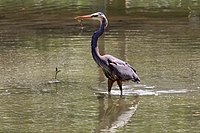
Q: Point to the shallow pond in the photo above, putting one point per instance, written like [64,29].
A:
[161,40]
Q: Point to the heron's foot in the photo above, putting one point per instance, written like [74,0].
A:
[109,93]
[121,94]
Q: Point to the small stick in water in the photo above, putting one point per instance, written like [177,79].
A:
[57,71]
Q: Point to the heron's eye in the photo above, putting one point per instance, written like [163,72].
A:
[94,15]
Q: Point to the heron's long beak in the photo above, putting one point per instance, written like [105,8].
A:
[83,17]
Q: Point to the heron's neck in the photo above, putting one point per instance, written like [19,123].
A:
[95,50]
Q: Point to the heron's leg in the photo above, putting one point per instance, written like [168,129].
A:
[119,82]
[110,83]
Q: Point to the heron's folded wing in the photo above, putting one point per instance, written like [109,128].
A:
[122,71]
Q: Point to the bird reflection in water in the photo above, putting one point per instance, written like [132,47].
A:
[115,113]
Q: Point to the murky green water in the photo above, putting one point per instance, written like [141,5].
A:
[161,39]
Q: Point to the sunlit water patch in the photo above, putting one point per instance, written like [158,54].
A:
[143,90]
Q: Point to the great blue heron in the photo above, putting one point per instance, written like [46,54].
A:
[113,68]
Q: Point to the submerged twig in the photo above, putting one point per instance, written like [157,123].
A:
[57,71]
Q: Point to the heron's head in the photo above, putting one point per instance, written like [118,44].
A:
[95,16]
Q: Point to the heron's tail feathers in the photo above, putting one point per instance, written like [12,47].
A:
[136,78]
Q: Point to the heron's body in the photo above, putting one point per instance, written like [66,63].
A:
[113,68]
